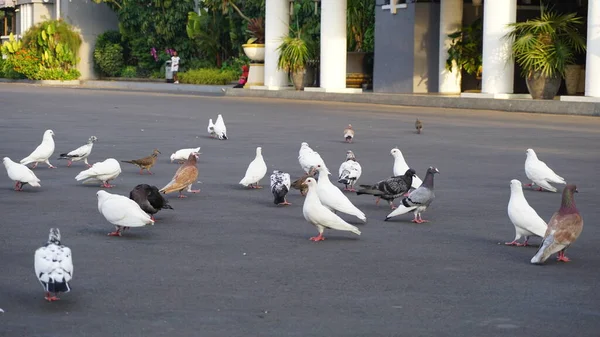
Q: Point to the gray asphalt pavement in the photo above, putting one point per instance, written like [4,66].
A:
[228,262]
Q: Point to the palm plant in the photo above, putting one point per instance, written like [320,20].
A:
[545,46]
[294,54]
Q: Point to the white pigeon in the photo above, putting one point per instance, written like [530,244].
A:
[43,152]
[540,174]
[255,171]
[80,153]
[525,219]
[220,128]
[20,174]
[104,171]
[308,158]
[349,172]
[211,128]
[183,154]
[121,212]
[400,167]
[333,198]
[320,216]
[53,264]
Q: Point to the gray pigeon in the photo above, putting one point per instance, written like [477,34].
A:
[390,188]
[419,199]
[149,199]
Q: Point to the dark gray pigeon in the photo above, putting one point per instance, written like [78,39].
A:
[390,188]
[419,199]
[149,199]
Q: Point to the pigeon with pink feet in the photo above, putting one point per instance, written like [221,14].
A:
[418,200]
[53,265]
[321,216]
[104,172]
[564,228]
[525,219]
[349,172]
[80,153]
[121,212]
[390,188]
[20,174]
[43,152]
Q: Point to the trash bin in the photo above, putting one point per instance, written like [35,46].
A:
[168,72]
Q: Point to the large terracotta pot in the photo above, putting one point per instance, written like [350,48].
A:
[298,80]
[542,87]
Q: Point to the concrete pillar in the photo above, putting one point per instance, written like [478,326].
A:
[451,15]
[592,63]
[277,19]
[498,67]
[333,45]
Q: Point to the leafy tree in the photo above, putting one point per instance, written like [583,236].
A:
[147,24]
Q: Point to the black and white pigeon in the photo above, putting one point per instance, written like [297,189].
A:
[149,198]
[390,188]
[418,200]
[280,186]
[349,172]
[53,266]
[80,153]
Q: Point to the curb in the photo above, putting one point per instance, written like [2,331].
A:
[154,86]
[43,82]
[509,105]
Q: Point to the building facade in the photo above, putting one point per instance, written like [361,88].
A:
[88,18]
[411,43]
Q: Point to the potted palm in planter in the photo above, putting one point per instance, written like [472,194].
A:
[294,56]
[255,46]
[544,47]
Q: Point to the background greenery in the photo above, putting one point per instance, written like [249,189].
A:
[209,37]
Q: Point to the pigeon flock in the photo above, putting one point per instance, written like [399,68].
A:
[323,199]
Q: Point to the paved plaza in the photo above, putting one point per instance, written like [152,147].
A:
[228,262]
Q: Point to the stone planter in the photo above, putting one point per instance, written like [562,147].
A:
[541,87]
[298,80]
[255,52]
[572,75]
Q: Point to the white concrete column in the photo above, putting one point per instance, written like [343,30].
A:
[498,67]
[333,45]
[451,15]
[277,19]
[592,63]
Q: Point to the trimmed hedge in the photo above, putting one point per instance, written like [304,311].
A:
[207,76]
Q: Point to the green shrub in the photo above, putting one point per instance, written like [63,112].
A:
[235,64]
[108,37]
[58,74]
[27,63]
[207,76]
[158,74]
[109,59]
[55,43]
[129,72]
